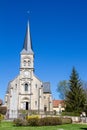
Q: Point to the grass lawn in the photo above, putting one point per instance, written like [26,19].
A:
[9,126]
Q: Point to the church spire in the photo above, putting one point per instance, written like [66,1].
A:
[27,47]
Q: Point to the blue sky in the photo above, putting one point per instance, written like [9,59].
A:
[59,37]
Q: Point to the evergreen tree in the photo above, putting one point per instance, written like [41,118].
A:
[75,98]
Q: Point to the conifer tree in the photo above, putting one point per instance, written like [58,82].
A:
[75,98]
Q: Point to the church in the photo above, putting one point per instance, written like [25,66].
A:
[27,92]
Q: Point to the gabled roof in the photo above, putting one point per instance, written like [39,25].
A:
[27,47]
[56,103]
[46,87]
[9,84]
[37,78]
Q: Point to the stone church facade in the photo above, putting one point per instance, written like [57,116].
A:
[26,91]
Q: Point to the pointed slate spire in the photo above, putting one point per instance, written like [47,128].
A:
[27,48]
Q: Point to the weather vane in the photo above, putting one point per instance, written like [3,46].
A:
[28,13]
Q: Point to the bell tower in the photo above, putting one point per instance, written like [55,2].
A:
[27,54]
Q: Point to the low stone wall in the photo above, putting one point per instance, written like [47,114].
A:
[77,119]
[74,118]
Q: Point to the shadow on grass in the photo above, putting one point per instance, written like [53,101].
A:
[83,128]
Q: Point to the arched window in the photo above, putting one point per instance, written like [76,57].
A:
[29,62]
[26,87]
[35,103]
[35,85]
[24,62]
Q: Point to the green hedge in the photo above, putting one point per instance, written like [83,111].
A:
[46,121]
[33,121]
[70,114]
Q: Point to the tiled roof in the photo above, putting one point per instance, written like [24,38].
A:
[56,103]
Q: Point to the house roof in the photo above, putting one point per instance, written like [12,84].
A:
[56,103]
[1,102]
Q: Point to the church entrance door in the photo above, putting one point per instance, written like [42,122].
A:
[45,108]
[26,105]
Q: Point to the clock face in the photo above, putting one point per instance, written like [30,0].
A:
[26,73]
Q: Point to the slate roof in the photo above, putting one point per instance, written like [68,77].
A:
[46,87]
[27,47]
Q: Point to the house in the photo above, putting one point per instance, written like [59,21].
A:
[58,106]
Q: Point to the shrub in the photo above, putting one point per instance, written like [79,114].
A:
[3,110]
[32,116]
[55,112]
[33,121]
[66,120]
[20,122]
[46,121]
[1,117]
